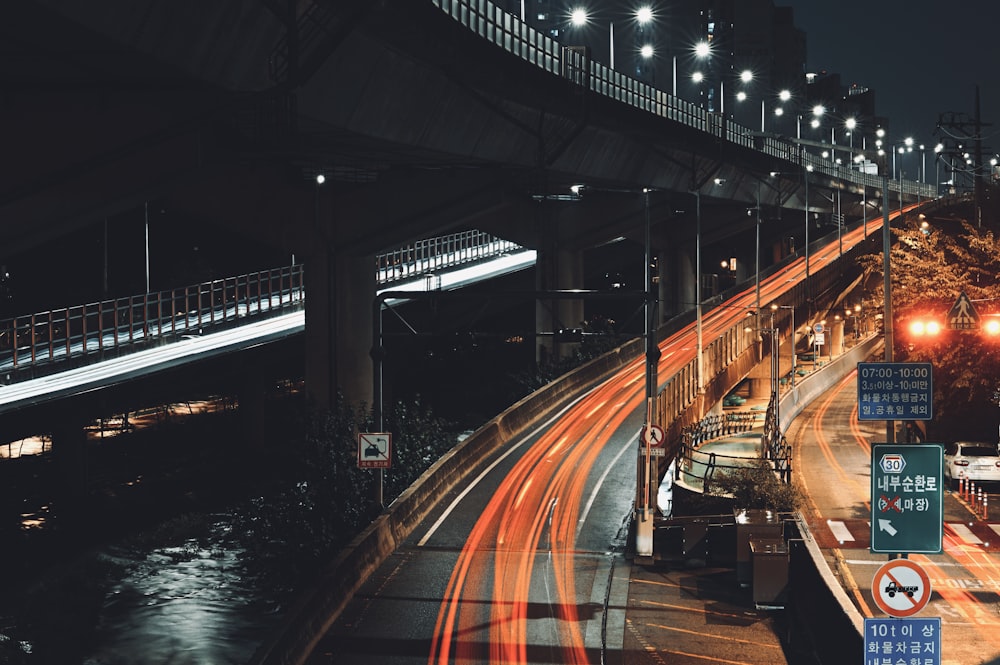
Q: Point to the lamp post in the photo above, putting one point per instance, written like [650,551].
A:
[937,169]
[697,289]
[791,334]
[779,110]
[756,268]
[890,427]
[805,177]
[702,51]
[643,44]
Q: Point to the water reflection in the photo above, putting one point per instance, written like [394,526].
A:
[182,605]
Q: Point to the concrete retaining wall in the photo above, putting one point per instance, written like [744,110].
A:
[823,613]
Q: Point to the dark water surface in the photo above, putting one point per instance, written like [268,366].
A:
[184,605]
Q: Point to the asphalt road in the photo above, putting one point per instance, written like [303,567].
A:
[833,453]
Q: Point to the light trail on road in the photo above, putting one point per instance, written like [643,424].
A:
[520,559]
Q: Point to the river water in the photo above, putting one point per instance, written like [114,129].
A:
[184,605]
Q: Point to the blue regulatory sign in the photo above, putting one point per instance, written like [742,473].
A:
[906,640]
[895,391]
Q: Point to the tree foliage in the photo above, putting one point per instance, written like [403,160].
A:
[757,487]
[328,500]
[935,257]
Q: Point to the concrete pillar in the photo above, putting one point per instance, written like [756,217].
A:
[684,260]
[837,338]
[69,450]
[666,287]
[557,269]
[760,388]
[338,335]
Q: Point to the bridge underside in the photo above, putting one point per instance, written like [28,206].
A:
[228,110]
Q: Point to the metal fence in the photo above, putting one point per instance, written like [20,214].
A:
[447,251]
[111,326]
[507,31]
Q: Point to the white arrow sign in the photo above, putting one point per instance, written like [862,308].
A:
[886,525]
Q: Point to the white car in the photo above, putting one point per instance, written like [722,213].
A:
[974,460]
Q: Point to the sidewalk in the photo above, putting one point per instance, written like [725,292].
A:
[701,615]
[681,614]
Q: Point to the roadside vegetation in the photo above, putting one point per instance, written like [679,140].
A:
[936,257]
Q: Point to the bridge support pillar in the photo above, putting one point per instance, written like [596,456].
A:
[69,449]
[338,327]
[837,338]
[666,289]
[557,269]
[686,289]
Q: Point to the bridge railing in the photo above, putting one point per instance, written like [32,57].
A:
[110,327]
[439,253]
[507,31]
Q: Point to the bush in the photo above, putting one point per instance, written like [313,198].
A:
[757,487]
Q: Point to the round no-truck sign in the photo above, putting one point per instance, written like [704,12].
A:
[901,588]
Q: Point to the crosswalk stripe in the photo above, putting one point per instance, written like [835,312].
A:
[965,533]
[840,531]
[996,528]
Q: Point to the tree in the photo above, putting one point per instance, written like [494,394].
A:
[757,487]
[935,257]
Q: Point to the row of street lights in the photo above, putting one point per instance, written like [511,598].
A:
[644,17]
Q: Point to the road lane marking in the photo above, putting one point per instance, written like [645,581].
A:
[458,499]
[965,533]
[840,531]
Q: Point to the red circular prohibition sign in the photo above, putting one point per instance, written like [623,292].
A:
[901,588]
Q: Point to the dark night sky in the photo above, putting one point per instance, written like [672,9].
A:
[922,57]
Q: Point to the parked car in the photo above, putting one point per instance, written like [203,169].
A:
[974,460]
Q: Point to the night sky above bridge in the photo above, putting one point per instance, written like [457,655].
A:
[922,57]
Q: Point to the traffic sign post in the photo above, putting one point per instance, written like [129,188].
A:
[907,506]
[375,450]
[963,314]
[653,435]
[901,588]
[895,391]
[903,641]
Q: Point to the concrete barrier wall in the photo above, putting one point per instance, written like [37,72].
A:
[822,611]
[810,387]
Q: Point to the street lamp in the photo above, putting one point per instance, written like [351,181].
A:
[697,287]
[779,110]
[745,77]
[703,51]
[937,168]
[644,65]
[791,337]
[580,17]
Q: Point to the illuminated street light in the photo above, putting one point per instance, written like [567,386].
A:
[791,336]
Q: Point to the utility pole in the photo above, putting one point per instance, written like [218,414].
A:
[962,131]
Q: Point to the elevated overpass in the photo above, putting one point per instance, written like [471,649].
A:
[424,117]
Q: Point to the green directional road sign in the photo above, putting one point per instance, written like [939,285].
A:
[906,498]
